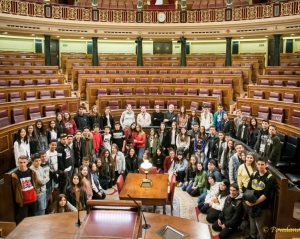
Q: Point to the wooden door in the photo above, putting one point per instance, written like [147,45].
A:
[54,51]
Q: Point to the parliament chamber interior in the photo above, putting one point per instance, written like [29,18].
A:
[78,79]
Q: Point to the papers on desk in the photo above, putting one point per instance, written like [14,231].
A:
[159,2]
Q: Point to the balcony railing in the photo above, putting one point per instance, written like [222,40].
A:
[63,12]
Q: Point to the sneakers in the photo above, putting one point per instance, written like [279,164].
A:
[180,184]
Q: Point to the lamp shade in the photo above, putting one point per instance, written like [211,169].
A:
[146,165]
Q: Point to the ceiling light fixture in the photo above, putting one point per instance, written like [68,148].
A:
[5,32]
[292,34]
[218,38]
[82,37]
[104,38]
[241,37]
[57,36]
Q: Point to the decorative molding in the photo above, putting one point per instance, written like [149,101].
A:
[75,13]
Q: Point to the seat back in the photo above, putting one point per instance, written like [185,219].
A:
[167,81]
[4,121]
[172,190]
[153,91]
[179,81]
[34,112]
[277,115]
[59,94]
[41,82]
[258,94]
[172,102]
[204,81]
[131,102]
[45,94]
[155,80]
[179,91]
[278,83]
[53,81]
[14,96]
[204,92]
[194,105]
[120,183]
[30,95]
[292,83]
[295,118]
[119,80]
[127,91]
[192,81]
[274,96]
[140,91]
[49,110]
[18,115]
[217,81]
[2,97]
[227,81]
[264,82]
[114,91]
[145,103]
[28,82]
[15,83]
[102,91]
[288,97]
[113,104]
[263,112]
[144,80]
[192,91]
[104,80]
[218,93]
[291,148]
[246,110]
[62,108]
[131,80]
[161,104]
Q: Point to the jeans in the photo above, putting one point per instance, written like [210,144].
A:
[203,207]
[257,224]
[202,196]
[188,187]
[140,152]
[41,203]
[205,163]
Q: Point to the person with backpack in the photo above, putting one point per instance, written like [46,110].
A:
[262,182]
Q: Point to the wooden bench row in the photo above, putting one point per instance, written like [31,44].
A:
[22,62]
[255,103]
[26,80]
[190,80]
[245,72]
[277,79]
[72,104]
[294,55]
[290,62]
[223,91]
[253,64]
[282,70]
[48,91]
[35,70]
[15,54]
[178,101]
[260,57]
[266,90]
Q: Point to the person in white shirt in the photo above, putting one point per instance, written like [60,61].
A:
[127,117]
[21,145]
[206,118]
[143,118]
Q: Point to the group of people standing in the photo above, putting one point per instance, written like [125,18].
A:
[82,157]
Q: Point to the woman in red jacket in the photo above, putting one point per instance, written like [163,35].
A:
[139,141]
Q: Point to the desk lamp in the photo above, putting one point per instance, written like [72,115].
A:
[146,166]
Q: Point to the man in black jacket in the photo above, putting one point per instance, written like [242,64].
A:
[227,125]
[81,119]
[170,116]
[157,116]
[273,149]
[212,137]
[262,137]
[231,216]
[64,163]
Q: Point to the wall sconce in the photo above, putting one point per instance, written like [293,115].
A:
[146,166]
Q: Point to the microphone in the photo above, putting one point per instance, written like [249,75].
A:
[145,225]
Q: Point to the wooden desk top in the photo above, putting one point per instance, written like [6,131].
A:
[62,226]
[159,189]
